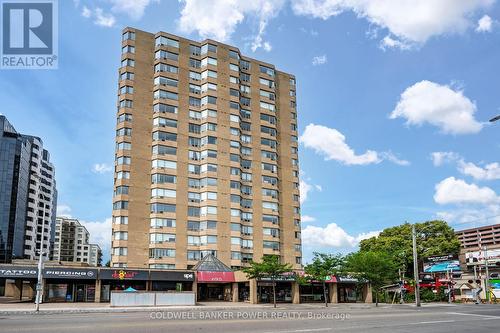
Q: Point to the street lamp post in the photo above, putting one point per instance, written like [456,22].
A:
[415,266]
[486,281]
[39,282]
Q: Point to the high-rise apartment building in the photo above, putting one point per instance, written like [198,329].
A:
[206,156]
[28,195]
[72,243]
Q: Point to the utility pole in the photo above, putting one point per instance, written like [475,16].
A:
[415,266]
[486,281]
[39,283]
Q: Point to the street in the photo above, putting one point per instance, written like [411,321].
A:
[285,319]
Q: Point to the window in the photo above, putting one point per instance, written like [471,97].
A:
[194,169]
[194,142]
[267,94]
[247,177]
[234,118]
[127,76]
[269,180]
[120,251]
[193,101]
[270,193]
[245,65]
[246,138]
[271,232]
[123,175]
[235,241]
[128,49]
[234,105]
[164,122]
[270,205]
[125,103]
[161,238]
[245,89]
[270,218]
[208,127]
[245,114]
[126,90]
[208,153]
[162,193]
[123,160]
[165,108]
[269,167]
[159,178]
[124,131]
[245,101]
[234,67]
[164,136]
[120,220]
[128,62]
[268,130]
[208,73]
[267,106]
[164,94]
[268,142]
[162,223]
[195,76]
[208,140]
[233,79]
[165,81]
[120,235]
[235,255]
[120,190]
[166,68]
[208,48]
[194,89]
[208,100]
[271,245]
[164,150]
[123,146]
[234,54]
[194,183]
[161,54]
[268,118]
[244,77]
[247,244]
[160,253]
[234,92]
[208,113]
[195,50]
[128,35]
[292,81]
[162,40]
[208,86]
[164,164]
[209,167]
[267,70]
[162,208]
[266,82]
[208,61]
[246,151]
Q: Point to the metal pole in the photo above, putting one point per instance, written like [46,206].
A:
[415,266]
[449,285]
[486,281]
[39,284]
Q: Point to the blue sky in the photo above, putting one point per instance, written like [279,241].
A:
[392,103]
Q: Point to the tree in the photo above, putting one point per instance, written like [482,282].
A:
[271,268]
[322,267]
[377,268]
[433,238]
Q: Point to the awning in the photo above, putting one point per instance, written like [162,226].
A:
[206,276]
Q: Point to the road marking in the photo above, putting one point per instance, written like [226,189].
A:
[433,322]
[303,330]
[473,314]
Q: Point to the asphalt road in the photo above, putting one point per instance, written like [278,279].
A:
[286,319]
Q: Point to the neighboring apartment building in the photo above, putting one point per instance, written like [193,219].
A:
[28,195]
[480,244]
[72,243]
[206,156]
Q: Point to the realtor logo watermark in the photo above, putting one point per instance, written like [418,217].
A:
[29,34]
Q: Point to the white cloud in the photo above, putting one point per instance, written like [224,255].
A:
[218,19]
[410,21]
[390,43]
[319,187]
[304,189]
[457,191]
[100,233]
[488,172]
[332,236]
[63,211]
[389,156]
[86,12]
[133,8]
[307,219]
[102,168]
[438,105]
[441,157]
[484,24]
[320,60]
[330,143]
[471,217]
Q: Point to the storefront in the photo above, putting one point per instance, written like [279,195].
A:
[69,284]
[122,279]
[349,290]
[284,288]
[19,281]
[215,286]
[171,280]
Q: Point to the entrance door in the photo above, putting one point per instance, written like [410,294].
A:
[80,293]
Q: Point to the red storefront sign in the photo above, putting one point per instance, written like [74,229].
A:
[206,276]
